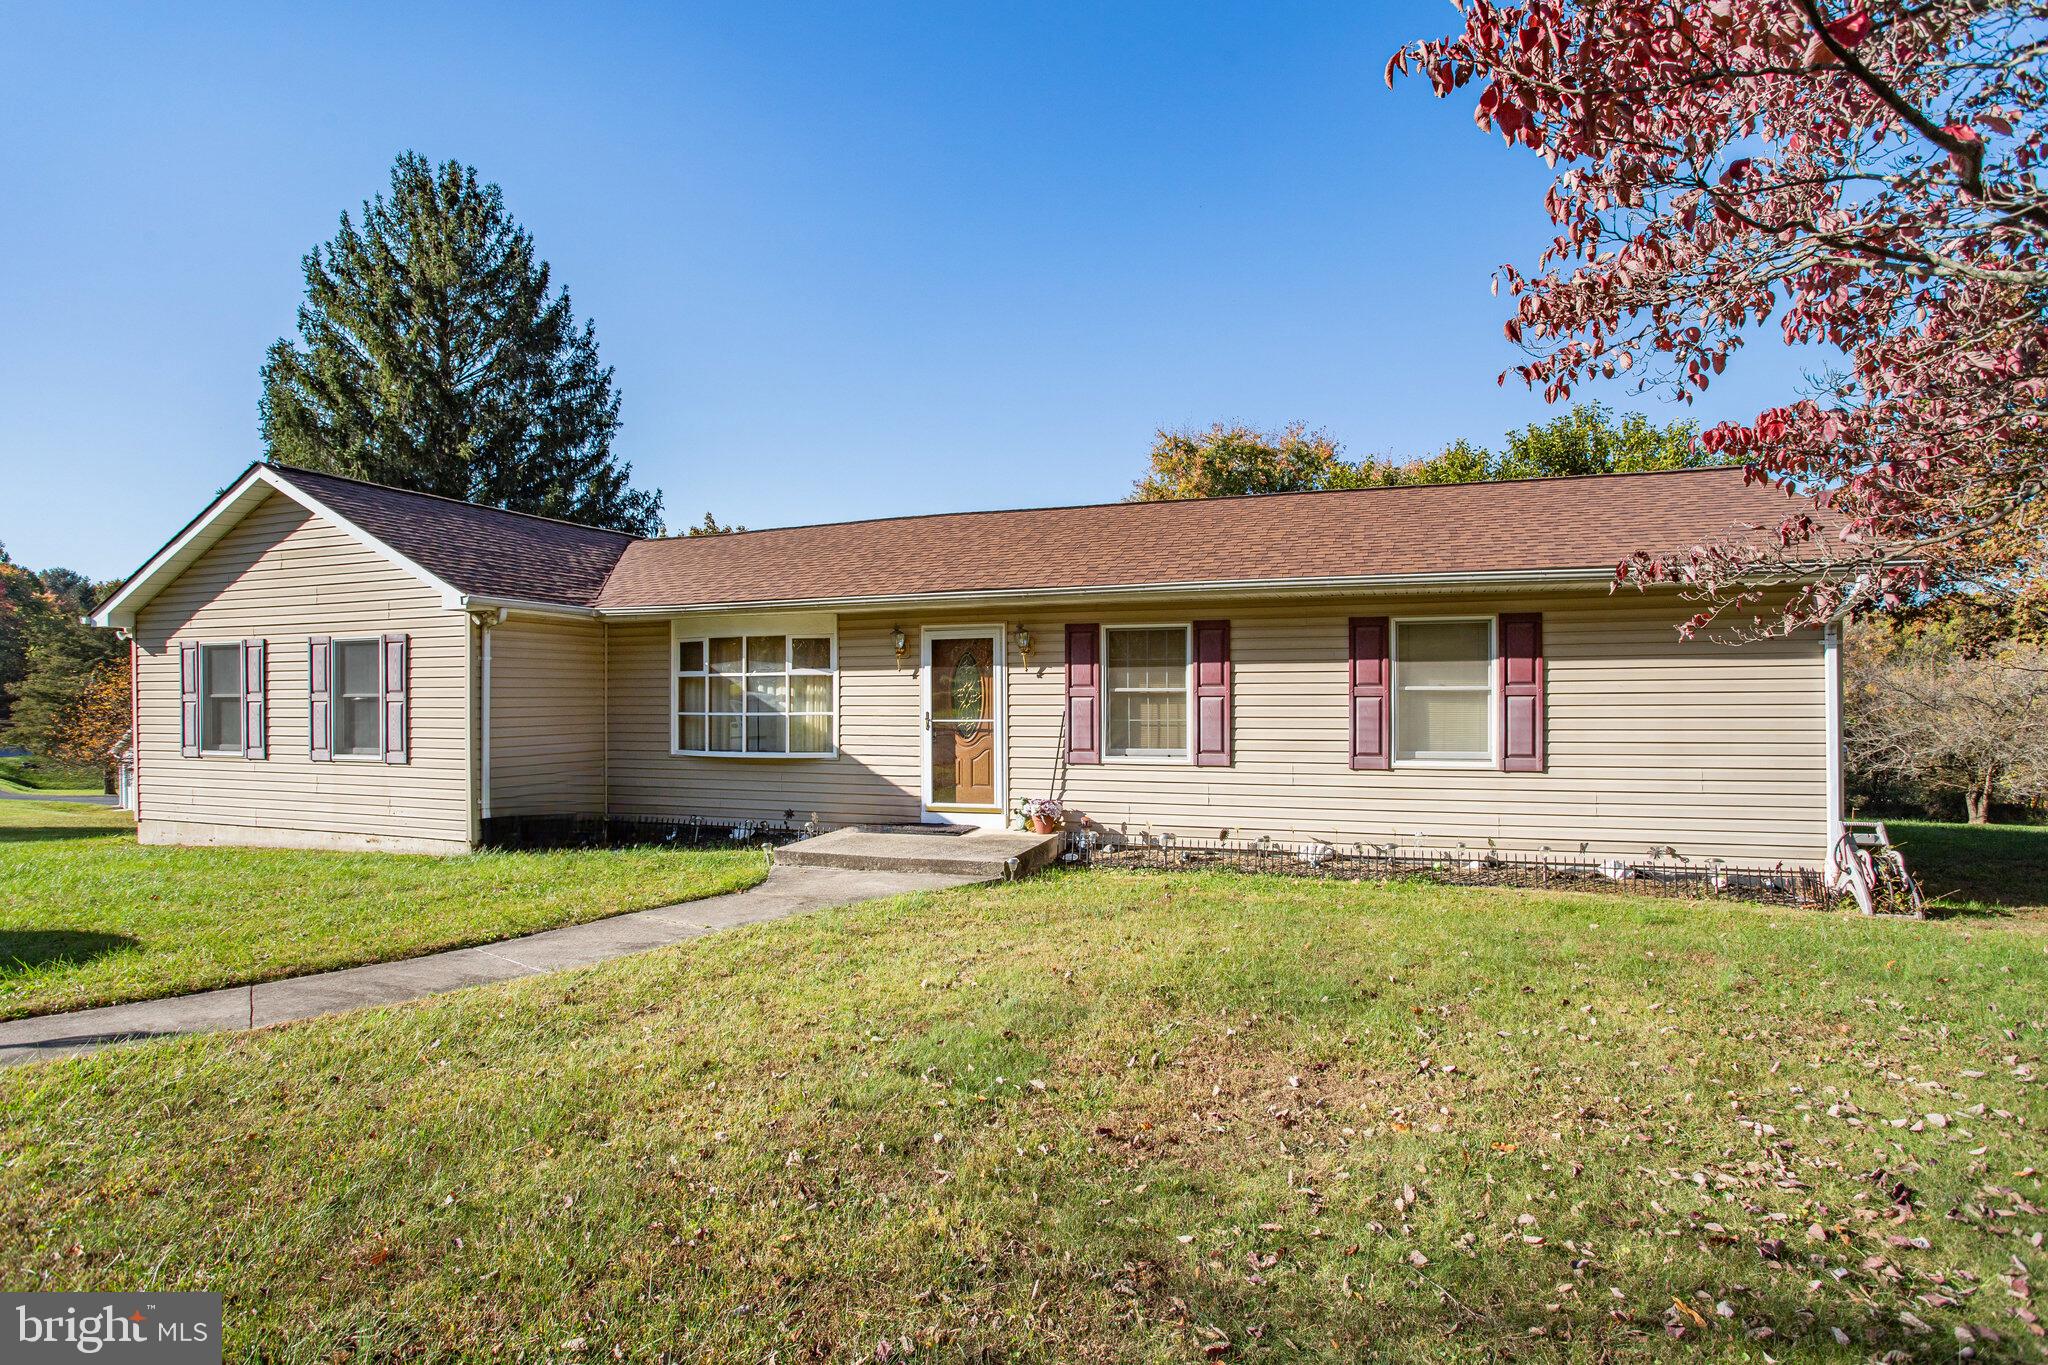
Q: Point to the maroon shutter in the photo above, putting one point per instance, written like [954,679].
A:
[397,707]
[1371,684]
[188,700]
[1521,693]
[255,701]
[1084,694]
[1212,694]
[320,698]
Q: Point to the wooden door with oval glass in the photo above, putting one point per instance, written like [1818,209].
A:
[963,716]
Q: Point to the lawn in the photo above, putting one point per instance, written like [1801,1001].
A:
[89,917]
[46,775]
[1982,868]
[1104,1116]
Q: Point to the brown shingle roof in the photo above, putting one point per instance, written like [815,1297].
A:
[482,550]
[1522,526]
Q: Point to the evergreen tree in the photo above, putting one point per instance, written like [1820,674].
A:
[433,356]
[711,526]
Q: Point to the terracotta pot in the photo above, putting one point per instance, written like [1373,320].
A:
[1044,824]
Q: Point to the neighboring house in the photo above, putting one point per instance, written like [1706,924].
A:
[121,780]
[322,662]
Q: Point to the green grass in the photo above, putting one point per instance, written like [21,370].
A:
[1980,868]
[1103,1117]
[89,917]
[49,776]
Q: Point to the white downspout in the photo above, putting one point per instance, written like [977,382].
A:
[1831,672]
[486,622]
[1833,876]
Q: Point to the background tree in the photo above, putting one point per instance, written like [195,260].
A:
[1867,179]
[1930,724]
[96,719]
[66,660]
[433,355]
[25,608]
[1230,459]
[1587,440]
[50,660]
[711,526]
[1459,462]
[71,589]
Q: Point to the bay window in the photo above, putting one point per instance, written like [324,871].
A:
[1443,692]
[755,695]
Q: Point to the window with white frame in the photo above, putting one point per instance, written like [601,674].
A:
[1443,691]
[1145,710]
[358,699]
[755,694]
[220,692]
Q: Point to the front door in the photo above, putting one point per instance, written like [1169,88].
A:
[963,713]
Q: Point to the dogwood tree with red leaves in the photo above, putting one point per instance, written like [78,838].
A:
[1868,180]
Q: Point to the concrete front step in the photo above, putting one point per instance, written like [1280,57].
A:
[984,854]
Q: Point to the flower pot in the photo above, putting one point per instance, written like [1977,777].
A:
[1044,824]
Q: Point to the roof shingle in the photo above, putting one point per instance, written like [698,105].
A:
[486,551]
[1524,526]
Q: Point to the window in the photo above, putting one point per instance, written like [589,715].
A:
[1147,691]
[1443,691]
[220,691]
[763,695]
[358,699]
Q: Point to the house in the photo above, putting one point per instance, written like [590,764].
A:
[321,662]
[121,782]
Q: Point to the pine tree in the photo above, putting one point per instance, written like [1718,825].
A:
[434,356]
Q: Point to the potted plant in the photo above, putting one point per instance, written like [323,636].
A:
[1043,815]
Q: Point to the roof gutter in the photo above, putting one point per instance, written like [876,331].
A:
[480,602]
[1437,582]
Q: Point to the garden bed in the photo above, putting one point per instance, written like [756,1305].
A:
[1665,876]
[638,831]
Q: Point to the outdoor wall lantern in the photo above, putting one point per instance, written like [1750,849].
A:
[898,641]
[1024,642]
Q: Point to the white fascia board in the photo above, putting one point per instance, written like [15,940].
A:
[515,606]
[1443,582]
[217,520]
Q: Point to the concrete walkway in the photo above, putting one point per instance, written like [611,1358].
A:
[787,891]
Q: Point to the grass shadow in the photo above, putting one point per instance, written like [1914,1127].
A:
[25,950]
[36,834]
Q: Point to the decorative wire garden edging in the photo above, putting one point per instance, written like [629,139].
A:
[1662,875]
[637,831]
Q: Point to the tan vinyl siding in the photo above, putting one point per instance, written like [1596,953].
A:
[1716,750]
[547,717]
[283,575]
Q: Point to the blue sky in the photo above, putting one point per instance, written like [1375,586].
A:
[846,260]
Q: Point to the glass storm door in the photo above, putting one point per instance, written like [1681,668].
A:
[960,710]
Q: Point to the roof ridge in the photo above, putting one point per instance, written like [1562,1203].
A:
[1226,497]
[290,469]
